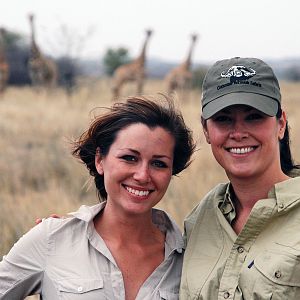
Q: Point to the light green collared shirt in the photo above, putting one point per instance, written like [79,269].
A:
[262,262]
[67,259]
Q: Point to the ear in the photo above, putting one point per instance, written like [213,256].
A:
[282,125]
[98,161]
[205,131]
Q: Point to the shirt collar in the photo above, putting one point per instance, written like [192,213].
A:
[165,223]
[286,193]
[160,218]
[88,213]
[226,204]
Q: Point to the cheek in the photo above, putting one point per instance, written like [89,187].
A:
[215,137]
[271,136]
[164,180]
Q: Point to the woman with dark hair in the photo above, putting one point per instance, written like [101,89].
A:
[121,248]
[243,238]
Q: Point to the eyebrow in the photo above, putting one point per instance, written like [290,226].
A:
[138,153]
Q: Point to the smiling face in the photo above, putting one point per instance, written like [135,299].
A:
[137,169]
[245,141]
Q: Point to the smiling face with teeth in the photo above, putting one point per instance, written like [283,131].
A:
[245,141]
[137,169]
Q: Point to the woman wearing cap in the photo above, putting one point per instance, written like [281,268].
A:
[243,238]
[121,248]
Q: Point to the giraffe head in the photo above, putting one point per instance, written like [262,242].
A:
[149,32]
[31,17]
[194,37]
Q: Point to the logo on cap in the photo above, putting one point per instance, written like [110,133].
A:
[238,73]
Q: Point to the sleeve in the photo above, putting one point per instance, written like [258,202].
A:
[22,269]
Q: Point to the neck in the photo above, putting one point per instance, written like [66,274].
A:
[126,228]
[2,46]
[34,48]
[249,191]
[142,56]
[187,62]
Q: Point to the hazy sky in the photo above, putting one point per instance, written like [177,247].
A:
[261,28]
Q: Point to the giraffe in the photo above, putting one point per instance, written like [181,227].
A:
[180,77]
[42,70]
[133,71]
[4,66]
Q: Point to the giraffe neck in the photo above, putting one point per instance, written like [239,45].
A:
[187,62]
[142,57]
[2,46]
[34,49]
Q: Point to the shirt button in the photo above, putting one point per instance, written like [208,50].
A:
[226,295]
[80,289]
[240,249]
[281,205]
[277,274]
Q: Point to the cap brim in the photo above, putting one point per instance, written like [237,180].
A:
[265,104]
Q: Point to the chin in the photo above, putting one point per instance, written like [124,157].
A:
[243,174]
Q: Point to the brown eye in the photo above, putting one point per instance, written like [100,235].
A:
[159,164]
[254,116]
[222,119]
[129,158]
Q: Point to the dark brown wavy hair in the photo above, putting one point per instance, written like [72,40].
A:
[104,129]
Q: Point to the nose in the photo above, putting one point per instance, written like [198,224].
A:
[142,174]
[238,131]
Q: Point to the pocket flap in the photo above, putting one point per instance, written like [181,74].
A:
[79,285]
[280,267]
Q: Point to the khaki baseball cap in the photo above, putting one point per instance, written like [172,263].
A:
[248,81]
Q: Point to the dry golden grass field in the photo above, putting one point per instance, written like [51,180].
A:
[38,176]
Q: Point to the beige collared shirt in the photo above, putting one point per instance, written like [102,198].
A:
[67,259]
[262,262]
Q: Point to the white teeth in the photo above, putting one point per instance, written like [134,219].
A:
[241,150]
[137,192]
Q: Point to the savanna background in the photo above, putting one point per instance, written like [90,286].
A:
[88,40]
[39,176]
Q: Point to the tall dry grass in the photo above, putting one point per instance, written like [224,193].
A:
[38,176]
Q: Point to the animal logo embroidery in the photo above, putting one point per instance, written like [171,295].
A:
[238,73]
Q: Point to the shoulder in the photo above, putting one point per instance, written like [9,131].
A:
[38,236]
[165,222]
[64,228]
[209,201]
[206,209]
[74,223]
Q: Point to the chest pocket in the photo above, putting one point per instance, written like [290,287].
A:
[282,268]
[278,274]
[78,288]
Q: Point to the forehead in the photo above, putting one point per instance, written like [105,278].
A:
[141,135]
[141,127]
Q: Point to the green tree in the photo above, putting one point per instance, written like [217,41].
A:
[114,58]
[13,39]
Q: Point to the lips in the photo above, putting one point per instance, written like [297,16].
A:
[241,150]
[137,192]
